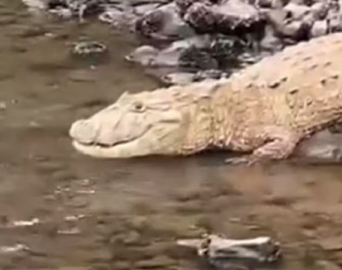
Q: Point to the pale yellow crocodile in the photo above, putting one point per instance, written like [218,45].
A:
[265,110]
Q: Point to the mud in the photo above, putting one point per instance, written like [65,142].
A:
[61,210]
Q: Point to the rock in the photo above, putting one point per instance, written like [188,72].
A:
[183,5]
[115,17]
[319,10]
[177,53]
[270,41]
[264,3]
[145,8]
[61,13]
[319,28]
[166,58]
[238,12]
[183,78]
[324,147]
[178,78]
[296,30]
[209,74]
[276,19]
[196,58]
[295,11]
[298,2]
[334,21]
[35,4]
[143,55]
[336,128]
[201,17]
[227,16]
[308,20]
[78,9]
[163,23]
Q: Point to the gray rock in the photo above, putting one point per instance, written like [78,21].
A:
[323,147]
[334,21]
[143,55]
[223,17]
[319,10]
[319,28]
[295,30]
[270,41]
[296,11]
[163,23]
[169,56]
[178,78]
[276,19]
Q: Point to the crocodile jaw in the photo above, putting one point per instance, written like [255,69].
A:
[150,142]
[123,150]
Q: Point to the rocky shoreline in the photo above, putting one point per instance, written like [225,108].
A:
[190,40]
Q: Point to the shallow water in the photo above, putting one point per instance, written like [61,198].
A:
[62,210]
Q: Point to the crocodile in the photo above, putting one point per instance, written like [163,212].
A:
[262,111]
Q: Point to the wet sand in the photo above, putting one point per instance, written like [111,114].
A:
[84,213]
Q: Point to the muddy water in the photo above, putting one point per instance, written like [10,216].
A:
[62,210]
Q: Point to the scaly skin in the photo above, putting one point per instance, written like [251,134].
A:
[265,109]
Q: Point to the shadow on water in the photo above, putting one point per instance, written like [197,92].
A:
[62,210]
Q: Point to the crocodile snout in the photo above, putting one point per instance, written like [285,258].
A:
[83,131]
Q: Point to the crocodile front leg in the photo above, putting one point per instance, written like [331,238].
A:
[275,143]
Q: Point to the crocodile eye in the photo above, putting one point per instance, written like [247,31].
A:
[138,107]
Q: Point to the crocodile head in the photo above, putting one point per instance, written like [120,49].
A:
[160,122]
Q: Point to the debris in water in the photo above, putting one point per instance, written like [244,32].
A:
[74,218]
[3,106]
[15,248]
[88,47]
[226,253]
[90,191]
[25,223]
[72,231]
[35,5]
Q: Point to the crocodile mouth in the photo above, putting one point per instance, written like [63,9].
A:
[138,145]
[101,145]
[145,142]
[85,140]
[120,149]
